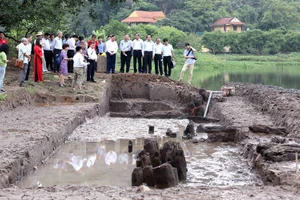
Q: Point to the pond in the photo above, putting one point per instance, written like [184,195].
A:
[283,76]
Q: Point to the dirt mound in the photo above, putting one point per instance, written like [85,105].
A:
[282,105]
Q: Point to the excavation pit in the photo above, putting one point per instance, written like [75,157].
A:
[106,162]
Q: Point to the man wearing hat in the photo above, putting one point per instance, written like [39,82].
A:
[190,59]
[39,35]
[2,38]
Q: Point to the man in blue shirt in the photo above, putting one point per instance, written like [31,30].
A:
[101,46]
[190,59]
[125,47]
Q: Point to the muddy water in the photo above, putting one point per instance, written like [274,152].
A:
[109,163]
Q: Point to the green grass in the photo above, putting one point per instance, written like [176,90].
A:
[3,97]
[30,90]
[51,77]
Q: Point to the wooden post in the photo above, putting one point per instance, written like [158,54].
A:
[297,169]
[151,130]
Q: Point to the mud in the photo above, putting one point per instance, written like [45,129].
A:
[281,104]
[250,106]
[110,128]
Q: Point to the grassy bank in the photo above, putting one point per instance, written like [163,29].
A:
[222,68]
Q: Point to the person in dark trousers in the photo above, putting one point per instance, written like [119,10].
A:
[125,47]
[148,54]
[111,48]
[30,49]
[47,49]
[158,57]
[51,41]
[137,46]
[92,59]
[57,46]
[71,52]
[168,56]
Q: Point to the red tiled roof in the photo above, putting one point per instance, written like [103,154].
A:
[147,14]
[227,20]
[145,17]
[138,19]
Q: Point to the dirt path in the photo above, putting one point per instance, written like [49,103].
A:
[203,193]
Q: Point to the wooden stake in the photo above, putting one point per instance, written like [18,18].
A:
[297,169]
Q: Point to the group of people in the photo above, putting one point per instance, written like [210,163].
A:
[75,55]
[3,59]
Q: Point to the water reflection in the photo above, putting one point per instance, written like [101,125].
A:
[283,76]
[109,163]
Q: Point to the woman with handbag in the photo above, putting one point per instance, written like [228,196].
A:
[38,61]
[3,64]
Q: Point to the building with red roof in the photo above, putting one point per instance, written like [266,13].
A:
[228,24]
[146,17]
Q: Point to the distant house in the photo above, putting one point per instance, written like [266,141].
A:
[228,24]
[145,17]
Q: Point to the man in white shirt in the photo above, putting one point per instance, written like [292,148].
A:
[25,57]
[47,50]
[29,50]
[125,47]
[71,51]
[92,59]
[137,46]
[168,56]
[148,54]
[190,59]
[112,48]
[107,40]
[57,46]
[79,65]
[158,57]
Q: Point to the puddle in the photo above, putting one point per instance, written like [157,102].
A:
[109,163]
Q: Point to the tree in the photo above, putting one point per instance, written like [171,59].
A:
[252,41]
[274,41]
[280,14]
[233,40]
[292,42]
[115,27]
[174,35]
[33,15]
[167,6]
[214,41]
[182,20]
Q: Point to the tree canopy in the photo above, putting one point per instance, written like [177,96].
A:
[85,16]
[197,15]
[33,15]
